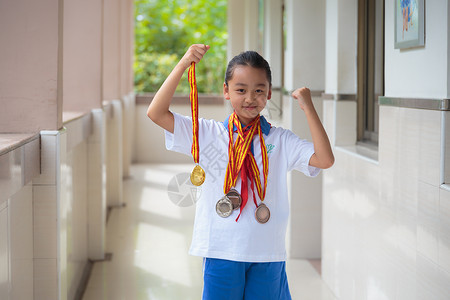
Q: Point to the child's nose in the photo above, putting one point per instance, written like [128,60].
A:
[251,96]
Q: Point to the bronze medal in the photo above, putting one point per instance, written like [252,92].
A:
[224,207]
[197,176]
[235,198]
[262,213]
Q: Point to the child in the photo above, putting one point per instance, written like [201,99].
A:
[242,236]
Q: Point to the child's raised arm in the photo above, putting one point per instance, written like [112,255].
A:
[158,110]
[323,157]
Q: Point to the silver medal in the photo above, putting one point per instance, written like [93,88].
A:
[224,207]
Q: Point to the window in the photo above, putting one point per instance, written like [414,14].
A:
[370,67]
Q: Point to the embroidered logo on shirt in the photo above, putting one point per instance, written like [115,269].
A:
[269,148]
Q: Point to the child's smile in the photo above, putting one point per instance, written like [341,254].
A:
[248,90]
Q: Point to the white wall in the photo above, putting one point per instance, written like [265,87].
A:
[419,72]
[386,233]
[76,191]
[52,214]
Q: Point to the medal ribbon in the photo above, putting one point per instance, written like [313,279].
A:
[242,159]
[193,97]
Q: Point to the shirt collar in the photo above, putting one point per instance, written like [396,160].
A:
[265,126]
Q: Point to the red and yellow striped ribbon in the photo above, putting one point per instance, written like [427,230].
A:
[193,97]
[240,150]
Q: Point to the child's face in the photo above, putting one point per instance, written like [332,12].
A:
[248,90]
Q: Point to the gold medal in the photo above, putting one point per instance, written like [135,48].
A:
[262,213]
[197,176]
[235,198]
[224,207]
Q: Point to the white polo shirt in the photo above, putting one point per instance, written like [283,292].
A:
[245,240]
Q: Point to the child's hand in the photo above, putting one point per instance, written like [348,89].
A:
[194,54]
[303,96]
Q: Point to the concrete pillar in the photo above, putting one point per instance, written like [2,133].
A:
[82,57]
[273,53]
[340,68]
[304,66]
[341,38]
[273,39]
[242,26]
[97,187]
[127,79]
[305,44]
[31,38]
[50,220]
[242,29]
[236,23]
[111,50]
[128,125]
[114,155]
[130,47]
[251,39]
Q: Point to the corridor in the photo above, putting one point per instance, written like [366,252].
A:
[149,240]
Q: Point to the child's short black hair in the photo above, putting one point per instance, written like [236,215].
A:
[248,58]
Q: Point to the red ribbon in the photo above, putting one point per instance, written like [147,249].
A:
[247,174]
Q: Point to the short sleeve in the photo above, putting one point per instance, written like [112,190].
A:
[181,139]
[299,152]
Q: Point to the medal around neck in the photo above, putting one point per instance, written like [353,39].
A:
[262,213]
[235,198]
[197,176]
[224,207]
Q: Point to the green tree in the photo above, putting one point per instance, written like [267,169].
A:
[163,32]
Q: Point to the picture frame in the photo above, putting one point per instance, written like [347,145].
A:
[409,24]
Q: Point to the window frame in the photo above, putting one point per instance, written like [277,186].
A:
[367,98]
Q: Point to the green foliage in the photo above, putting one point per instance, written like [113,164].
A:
[164,30]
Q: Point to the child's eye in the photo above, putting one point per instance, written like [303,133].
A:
[259,91]
[240,90]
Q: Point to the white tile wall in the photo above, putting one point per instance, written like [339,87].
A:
[17,167]
[345,118]
[128,126]
[114,153]
[4,253]
[386,233]
[21,243]
[430,146]
[446,140]
[444,230]
[96,186]
[49,142]
[76,190]
[45,279]
[49,219]
[11,173]
[428,221]
[45,221]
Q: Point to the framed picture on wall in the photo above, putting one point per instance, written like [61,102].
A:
[409,23]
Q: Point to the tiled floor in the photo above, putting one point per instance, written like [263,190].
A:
[149,240]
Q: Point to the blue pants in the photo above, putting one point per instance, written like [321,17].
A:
[232,280]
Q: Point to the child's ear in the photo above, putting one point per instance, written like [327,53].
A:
[269,95]
[226,93]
